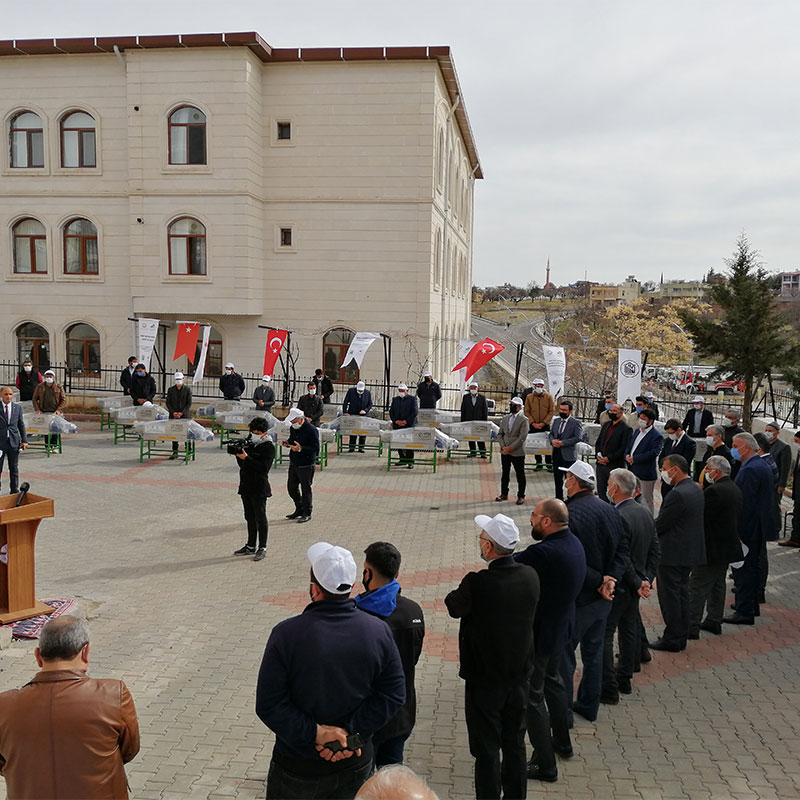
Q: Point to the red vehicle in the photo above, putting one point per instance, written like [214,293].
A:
[726,386]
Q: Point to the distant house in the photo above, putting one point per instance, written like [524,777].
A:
[679,290]
[790,284]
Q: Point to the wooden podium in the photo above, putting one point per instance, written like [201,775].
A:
[18,577]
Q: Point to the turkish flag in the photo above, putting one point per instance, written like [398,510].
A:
[275,341]
[479,356]
[186,343]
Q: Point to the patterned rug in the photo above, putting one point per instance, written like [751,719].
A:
[29,628]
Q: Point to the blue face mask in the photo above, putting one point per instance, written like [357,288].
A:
[608,406]
[737,456]
[639,409]
[610,498]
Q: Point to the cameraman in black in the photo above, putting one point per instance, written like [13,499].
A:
[254,456]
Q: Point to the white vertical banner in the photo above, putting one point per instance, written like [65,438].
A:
[629,375]
[146,332]
[555,360]
[358,347]
[200,369]
[464,346]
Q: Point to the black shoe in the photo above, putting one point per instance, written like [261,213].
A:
[244,551]
[537,774]
[294,515]
[564,752]
[609,699]
[711,627]
[483,455]
[585,714]
[738,619]
[409,466]
[360,449]
[304,519]
[261,554]
[693,635]
[473,455]
[660,644]
[624,685]
[174,455]
[645,657]
[351,450]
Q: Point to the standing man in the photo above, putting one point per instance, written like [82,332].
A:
[179,404]
[474,408]
[49,398]
[86,726]
[126,376]
[676,443]
[264,395]
[27,380]
[254,463]
[303,444]
[639,405]
[403,414]
[428,392]
[539,410]
[326,675]
[794,539]
[698,418]
[604,406]
[311,405]
[723,507]
[641,455]
[560,563]
[497,607]
[143,386]
[651,403]
[231,384]
[513,432]
[683,546]
[731,422]
[12,435]
[715,446]
[612,441]
[358,401]
[405,619]
[782,456]
[565,433]
[324,385]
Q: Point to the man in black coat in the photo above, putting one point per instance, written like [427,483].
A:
[357,401]
[311,405]
[303,444]
[429,392]
[497,607]
[677,443]
[179,404]
[324,385]
[264,395]
[28,379]
[383,599]
[715,446]
[254,464]
[474,408]
[560,562]
[610,447]
[723,505]
[126,376]
[794,539]
[683,546]
[231,384]
[697,418]
[732,427]
[143,386]
[403,414]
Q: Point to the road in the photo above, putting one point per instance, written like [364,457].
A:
[528,331]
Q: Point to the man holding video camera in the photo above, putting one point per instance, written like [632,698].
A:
[254,456]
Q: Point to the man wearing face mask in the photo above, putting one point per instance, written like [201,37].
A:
[603,406]
[254,463]
[49,397]
[697,419]
[732,428]
[126,376]
[676,443]
[612,441]
[765,453]
[311,405]
[28,379]
[303,444]
[383,598]
[428,392]
[642,453]
[403,414]
[231,384]
[639,405]
[358,400]
[560,563]
[179,404]
[565,433]
[683,546]
[264,395]
[497,608]
[539,410]
[715,446]
[794,539]
[474,408]
[513,432]
[143,386]
[13,437]
[324,385]
[781,454]
[651,403]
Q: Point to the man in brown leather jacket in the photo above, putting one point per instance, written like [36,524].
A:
[64,734]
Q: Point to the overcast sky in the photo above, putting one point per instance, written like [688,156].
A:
[616,137]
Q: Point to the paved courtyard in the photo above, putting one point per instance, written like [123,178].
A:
[147,551]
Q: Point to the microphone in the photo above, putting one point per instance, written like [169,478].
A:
[23,490]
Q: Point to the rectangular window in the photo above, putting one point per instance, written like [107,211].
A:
[284,131]
[73,245]
[89,149]
[177,246]
[37,149]
[71,149]
[286,237]
[22,256]
[197,255]
[197,144]
[177,145]
[92,259]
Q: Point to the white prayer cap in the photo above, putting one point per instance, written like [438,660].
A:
[267,378]
[361,385]
[474,383]
[500,529]
[402,387]
[582,470]
[334,567]
[229,365]
[294,413]
[538,382]
[518,401]
[427,374]
[178,376]
[50,372]
[698,399]
[147,404]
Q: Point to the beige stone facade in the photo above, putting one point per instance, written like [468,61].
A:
[361,218]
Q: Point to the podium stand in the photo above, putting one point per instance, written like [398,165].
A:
[18,578]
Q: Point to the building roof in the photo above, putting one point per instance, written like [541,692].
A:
[267,54]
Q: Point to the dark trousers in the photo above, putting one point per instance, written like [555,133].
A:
[589,633]
[12,455]
[496,722]
[481,447]
[351,442]
[602,471]
[255,513]
[706,591]
[545,429]
[673,600]
[763,572]
[624,618]
[548,723]
[298,485]
[390,751]
[746,580]
[795,537]
[558,475]
[406,456]
[506,461]
[340,785]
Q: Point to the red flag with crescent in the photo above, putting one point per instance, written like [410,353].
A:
[275,341]
[186,343]
[479,356]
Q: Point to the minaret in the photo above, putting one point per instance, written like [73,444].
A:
[547,282]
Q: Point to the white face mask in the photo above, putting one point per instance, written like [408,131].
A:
[709,477]
[297,425]
[538,390]
[312,391]
[698,406]
[642,423]
[48,380]
[770,435]
[473,392]
[179,384]
[401,393]
[229,371]
[728,423]
[673,436]
[665,477]
[27,369]
[265,383]
[710,441]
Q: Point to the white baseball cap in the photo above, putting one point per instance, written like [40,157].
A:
[698,399]
[500,529]
[229,365]
[474,383]
[334,567]
[538,382]
[402,387]
[517,401]
[361,385]
[294,413]
[50,372]
[267,378]
[582,470]
[178,376]
[427,374]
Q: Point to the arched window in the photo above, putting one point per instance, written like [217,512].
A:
[33,344]
[80,248]
[78,142]
[214,362]
[334,348]
[27,140]
[187,247]
[437,259]
[187,136]
[30,247]
[83,350]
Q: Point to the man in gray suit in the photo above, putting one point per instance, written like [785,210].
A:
[513,432]
[680,532]
[565,433]
[12,435]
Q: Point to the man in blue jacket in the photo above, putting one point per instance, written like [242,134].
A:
[329,673]
[642,453]
[12,435]
[357,402]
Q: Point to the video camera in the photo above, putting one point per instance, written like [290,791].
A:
[239,445]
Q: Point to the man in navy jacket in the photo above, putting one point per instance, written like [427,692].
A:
[403,414]
[676,443]
[565,433]
[303,444]
[642,452]
[327,673]
[357,402]
[12,435]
